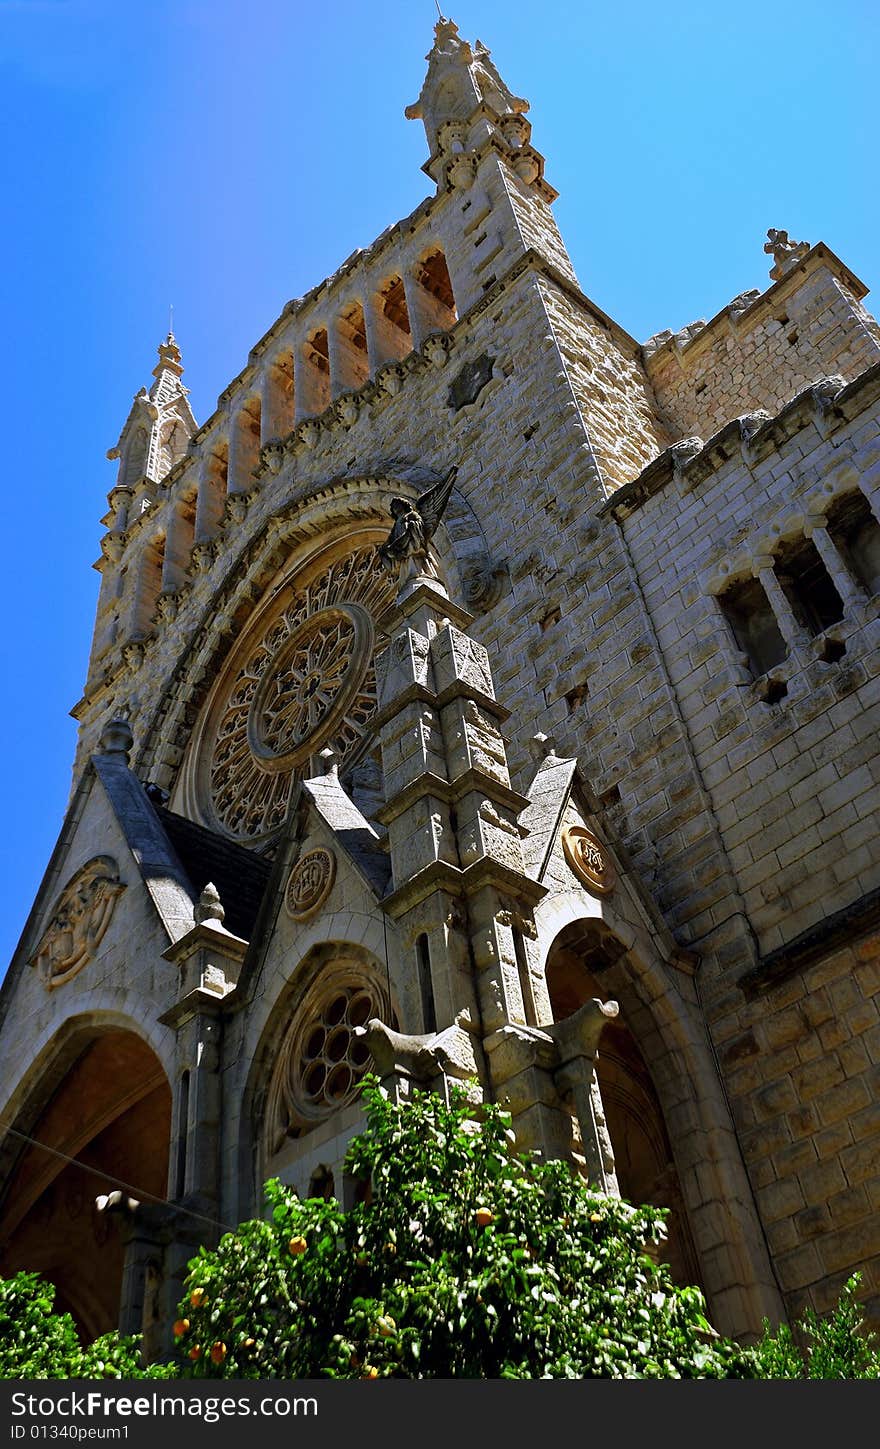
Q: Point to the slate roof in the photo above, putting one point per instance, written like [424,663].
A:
[240,875]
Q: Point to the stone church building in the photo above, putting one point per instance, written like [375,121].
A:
[480,695]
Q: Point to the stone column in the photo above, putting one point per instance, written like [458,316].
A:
[271,425]
[792,632]
[238,477]
[209,506]
[421,320]
[851,593]
[209,959]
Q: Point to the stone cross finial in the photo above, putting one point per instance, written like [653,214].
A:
[785,253]
[209,906]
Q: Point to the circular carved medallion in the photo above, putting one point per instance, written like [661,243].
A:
[310,883]
[588,859]
[301,678]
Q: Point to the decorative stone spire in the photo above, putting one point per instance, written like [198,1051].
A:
[159,425]
[459,79]
[463,103]
[209,906]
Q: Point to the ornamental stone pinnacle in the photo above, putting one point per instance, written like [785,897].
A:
[209,906]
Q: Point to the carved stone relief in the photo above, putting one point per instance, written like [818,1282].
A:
[588,859]
[310,883]
[79,919]
[470,381]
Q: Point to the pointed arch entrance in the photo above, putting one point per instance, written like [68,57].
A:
[644,1161]
[98,1114]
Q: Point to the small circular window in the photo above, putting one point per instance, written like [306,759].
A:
[322,1059]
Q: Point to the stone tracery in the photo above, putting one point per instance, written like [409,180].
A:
[303,679]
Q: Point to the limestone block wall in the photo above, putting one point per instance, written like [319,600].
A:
[604,369]
[794,784]
[764,348]
[791,785]
[802,1068]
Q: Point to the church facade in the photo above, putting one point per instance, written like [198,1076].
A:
[477,696]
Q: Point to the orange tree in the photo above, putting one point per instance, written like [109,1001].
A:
[469,1260]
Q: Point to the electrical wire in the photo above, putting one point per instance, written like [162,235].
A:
[136,1192]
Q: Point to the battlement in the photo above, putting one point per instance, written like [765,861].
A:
[764,347]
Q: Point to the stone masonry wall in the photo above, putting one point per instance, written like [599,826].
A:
[809,325]
[802,1071]
[793,789]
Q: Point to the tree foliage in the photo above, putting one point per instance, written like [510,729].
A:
[468,1260]
[38,1343]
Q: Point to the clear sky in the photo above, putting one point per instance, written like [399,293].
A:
[225,155]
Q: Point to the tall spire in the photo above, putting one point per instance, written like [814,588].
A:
[460,78]
[159,425]
[466,109]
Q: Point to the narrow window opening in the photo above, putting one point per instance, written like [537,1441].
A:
[394,305]
[856,533]
[426,984]
[182,1136]
[352,350]
[433,275]
[316,373]
[753,624]
[610,797]
[807,585]
[575,697]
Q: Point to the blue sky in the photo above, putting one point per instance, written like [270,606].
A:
[225,155]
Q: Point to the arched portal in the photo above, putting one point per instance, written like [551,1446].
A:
[106,1121]
[646,1170]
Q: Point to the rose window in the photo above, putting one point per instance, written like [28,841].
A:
[322,1059]
[301,679]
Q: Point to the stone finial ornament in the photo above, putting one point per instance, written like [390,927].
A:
[785,253]
[415,523]
[209,906]
[116,738]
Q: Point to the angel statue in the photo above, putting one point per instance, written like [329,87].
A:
[415,523]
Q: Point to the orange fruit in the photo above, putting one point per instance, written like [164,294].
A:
[180,1327]
[218,1352]
[386,1325]
[483,1216]
[198,1298]
[195,1352]
[370,1372]
[297,1245]
[248,1343]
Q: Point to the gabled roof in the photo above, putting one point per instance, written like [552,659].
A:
[241,876]
[548,796]
[352,829]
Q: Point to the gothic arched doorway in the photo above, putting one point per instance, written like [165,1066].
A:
[107,1122]
[646,1171]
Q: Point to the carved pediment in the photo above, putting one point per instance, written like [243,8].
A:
[78,921]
